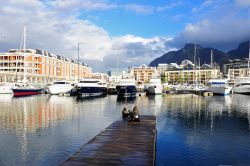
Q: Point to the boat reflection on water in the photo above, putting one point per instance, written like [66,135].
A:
[126,99]
[154,103]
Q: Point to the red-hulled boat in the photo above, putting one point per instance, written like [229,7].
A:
[19,92]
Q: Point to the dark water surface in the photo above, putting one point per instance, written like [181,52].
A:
[192,130]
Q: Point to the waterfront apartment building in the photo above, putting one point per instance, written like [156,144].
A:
[40,66]
[142,73]
[101,76]
[237,68]
[186,72]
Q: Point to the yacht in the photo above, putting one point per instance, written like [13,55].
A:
[25,89]
[126,87]
[154,86]
[219,86]
[6,88]
[60,87]
[242,85]
[91,88]
[112,88]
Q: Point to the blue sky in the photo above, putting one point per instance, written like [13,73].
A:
[133,32]
[159,18]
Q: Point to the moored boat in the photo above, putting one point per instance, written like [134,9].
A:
[19,92]
[219,86]
[91,88]
[6,88]
[242,85]
[155,86]
[60,87]
[126,87]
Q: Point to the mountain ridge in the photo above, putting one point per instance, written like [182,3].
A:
[187,52]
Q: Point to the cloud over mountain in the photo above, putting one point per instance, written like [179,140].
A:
[57,26]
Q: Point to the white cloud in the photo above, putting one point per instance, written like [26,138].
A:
[222,25]
[243,3]
[224,34]
[47,30]
[168,6]
[75,5]
[141,9]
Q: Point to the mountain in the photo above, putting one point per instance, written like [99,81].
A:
[241,52]
[187,52]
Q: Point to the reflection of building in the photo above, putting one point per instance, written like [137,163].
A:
[40,67]
[187,72]
[34,113]
[237,68]
[142,73]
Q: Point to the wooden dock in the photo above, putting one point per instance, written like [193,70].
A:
[122,143]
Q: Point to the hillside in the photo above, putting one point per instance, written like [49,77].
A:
[187,52]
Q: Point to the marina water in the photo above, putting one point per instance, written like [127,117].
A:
[191,130]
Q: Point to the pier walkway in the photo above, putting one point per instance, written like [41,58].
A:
[122,143]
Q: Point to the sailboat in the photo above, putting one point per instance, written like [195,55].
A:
[197,86]
[242,84]
[219,86]
[23,87]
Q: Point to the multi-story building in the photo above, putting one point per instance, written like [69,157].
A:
[237,68]
[187,72]
[40,66]
[142,73]
[101,76]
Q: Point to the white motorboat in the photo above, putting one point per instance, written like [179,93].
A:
[155,86]
[60,87]
[219,86]
[6,88]
[242,85]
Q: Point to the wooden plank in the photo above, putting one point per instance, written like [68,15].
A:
[122,143]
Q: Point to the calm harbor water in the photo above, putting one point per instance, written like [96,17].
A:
[191,130]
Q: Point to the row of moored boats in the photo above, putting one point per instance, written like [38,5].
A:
[126,87]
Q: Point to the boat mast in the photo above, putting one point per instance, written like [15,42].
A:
[248,57]
[24,50]
[194,76]
[78,61]
[211,54]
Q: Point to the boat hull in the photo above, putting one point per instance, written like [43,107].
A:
[26,92]
[53,90]
[154,90]
[220,90]
[6,89]
[126,91]
[86,92]
[243,89]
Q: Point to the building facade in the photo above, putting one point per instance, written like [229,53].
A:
[187,72]
[142,73]
[40,66]
[101,76]
[237,68]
